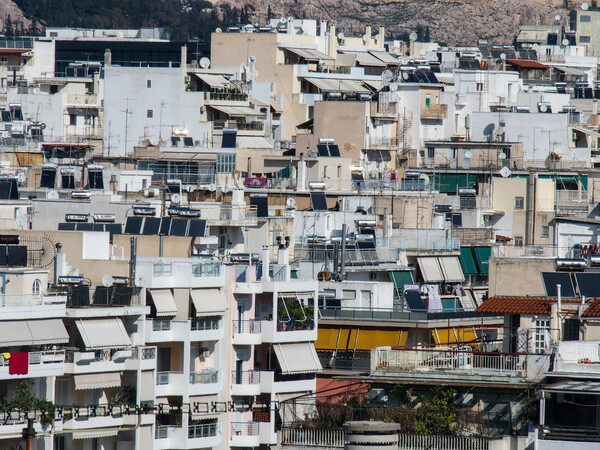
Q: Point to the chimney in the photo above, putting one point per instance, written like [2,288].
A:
[183,57]
[323,28]
[290,26]
[265,263]
[381,37]
[59,263]
[368,33]
[332,49]
[595,112]
[132,260]
[107,58]
[301,182]
[283,257]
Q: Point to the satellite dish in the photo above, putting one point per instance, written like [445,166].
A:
[387,76]
[536,46]
[52,195]
[282,20]
[468,154]
[502,155]
[503,56]
[557,17]
[365,38]
[405,76]
[212,187]
[505,172]
[393,87]
[404,61]
[565,42]
[107,280]
[225,189]
[585,6]
[543,107]
[290,19]
[175,198]
[340,35]
[291,203]
[218,31]
[413,36]
[489,129]
[204,62]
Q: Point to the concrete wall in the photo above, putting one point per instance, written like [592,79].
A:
[518,277]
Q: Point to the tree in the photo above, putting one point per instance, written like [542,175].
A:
[436,413]
[8,26]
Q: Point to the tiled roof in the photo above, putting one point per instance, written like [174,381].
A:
[593,309]
[520,305]
[527,64]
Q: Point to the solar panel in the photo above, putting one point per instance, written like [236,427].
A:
[179,227]
[151,225]
[5,188]
[122,296]
[68,181]
[188,141]
[66,226]
[48,178]
[3,260]
[588,284]
[262,205]
[413,299]
[113,228]
[322,149]
[17,255]
[229,139]
[133,225]
[165,226]
[84,227]
[431,77]
[102,296]
[334,150]
[551,279]
[357,176]
[79,296]
[485,51]
[98,227]
[197,228]
[318,201]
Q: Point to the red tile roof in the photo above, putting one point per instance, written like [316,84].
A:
[593,309]
[520,305]
[527,64]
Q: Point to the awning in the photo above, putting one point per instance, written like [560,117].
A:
[451,269]
[337,85]
[375,84]
[164,302]
[587,131]
[400,278]
[370,339]
[455,336]
[253,142]
[365,59]
[430,270]
[527,64]
[309,54]
[214,81]
[467,261]
[276,107]
[575,71]
[297,358]
[208,302]
[97,380]
[237,111]
[98,433]
[575,386]
[482,255]
[385,57]
[327,338]
[32,332]
[103,333]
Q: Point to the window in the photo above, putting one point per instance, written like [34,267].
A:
[519,202]
[585,18]
[427,100]
[326,172]
[365,299]
[479,87]
[545,231]
[541,336]
[584,39]
[149,84]
[518,241]
[149,114]
[37,288]
[226,162]
[348,294]
[570,330]
[339,172]
[72,119]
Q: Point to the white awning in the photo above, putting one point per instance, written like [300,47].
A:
[575,71]
[310,54]
[375,84]
[385,57]
[276,107]
[103,333]
[338,85]
[451,268]
[214,81]
[253,142]
[98,433]
[237,111]
[365,59]
[97,380]
[430,269]
[32,332]
[297,358]
[164,302]
[208,302]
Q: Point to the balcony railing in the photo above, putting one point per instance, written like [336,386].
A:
[244,428]
[212,269]
[161,269]
[312,438]
[202,431]
[455,360]
[207,376]
[385,314]
[161,324]
[163,378]
[205,324]
[162,431]
[245,376]
[246,327]
[295,325]
[50,357]
[18,300]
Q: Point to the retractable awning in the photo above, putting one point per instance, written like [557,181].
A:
[237,111]
[164,302]
[366,59]
[98,433]
[32,332]
[97,380]
[467,261]
[482,255]
[103,333]
[214,81]
[430,270]
[337,85]
[401,278]
[297,358]
[208,302]
[385,57]
[451,269]
[455,336]
[309,54]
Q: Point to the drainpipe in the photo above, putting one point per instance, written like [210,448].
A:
[132,259]
[558,309]
[301,182]
[265,263]
[530,212]
[58,259]
[343,262]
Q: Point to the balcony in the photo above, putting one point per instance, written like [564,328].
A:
[204,382]
[198,436]
[245,434]
[27,306]
[246,332]
[166,330]
[226,214]
[312,438]
[109,360]
[166,273]
[288,331]
[170,383]
[41,364]
[434,112]
[575,357]
[245,382]
[276,383]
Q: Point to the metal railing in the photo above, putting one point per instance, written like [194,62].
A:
[162,431]
[460,360]
[161,324]
[380,314]
[425,442]
[17,300]
[50,357]
[205,324]
[212,269]
[245,376]
[163,378]
[202,431]
[244,428]
[246,326]
[206,376]
[510,251]
[329,361]
[162,269]
[143,353]
[313,438]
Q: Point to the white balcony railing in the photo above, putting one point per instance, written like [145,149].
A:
[204,376]
[313,438]
[246,326]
